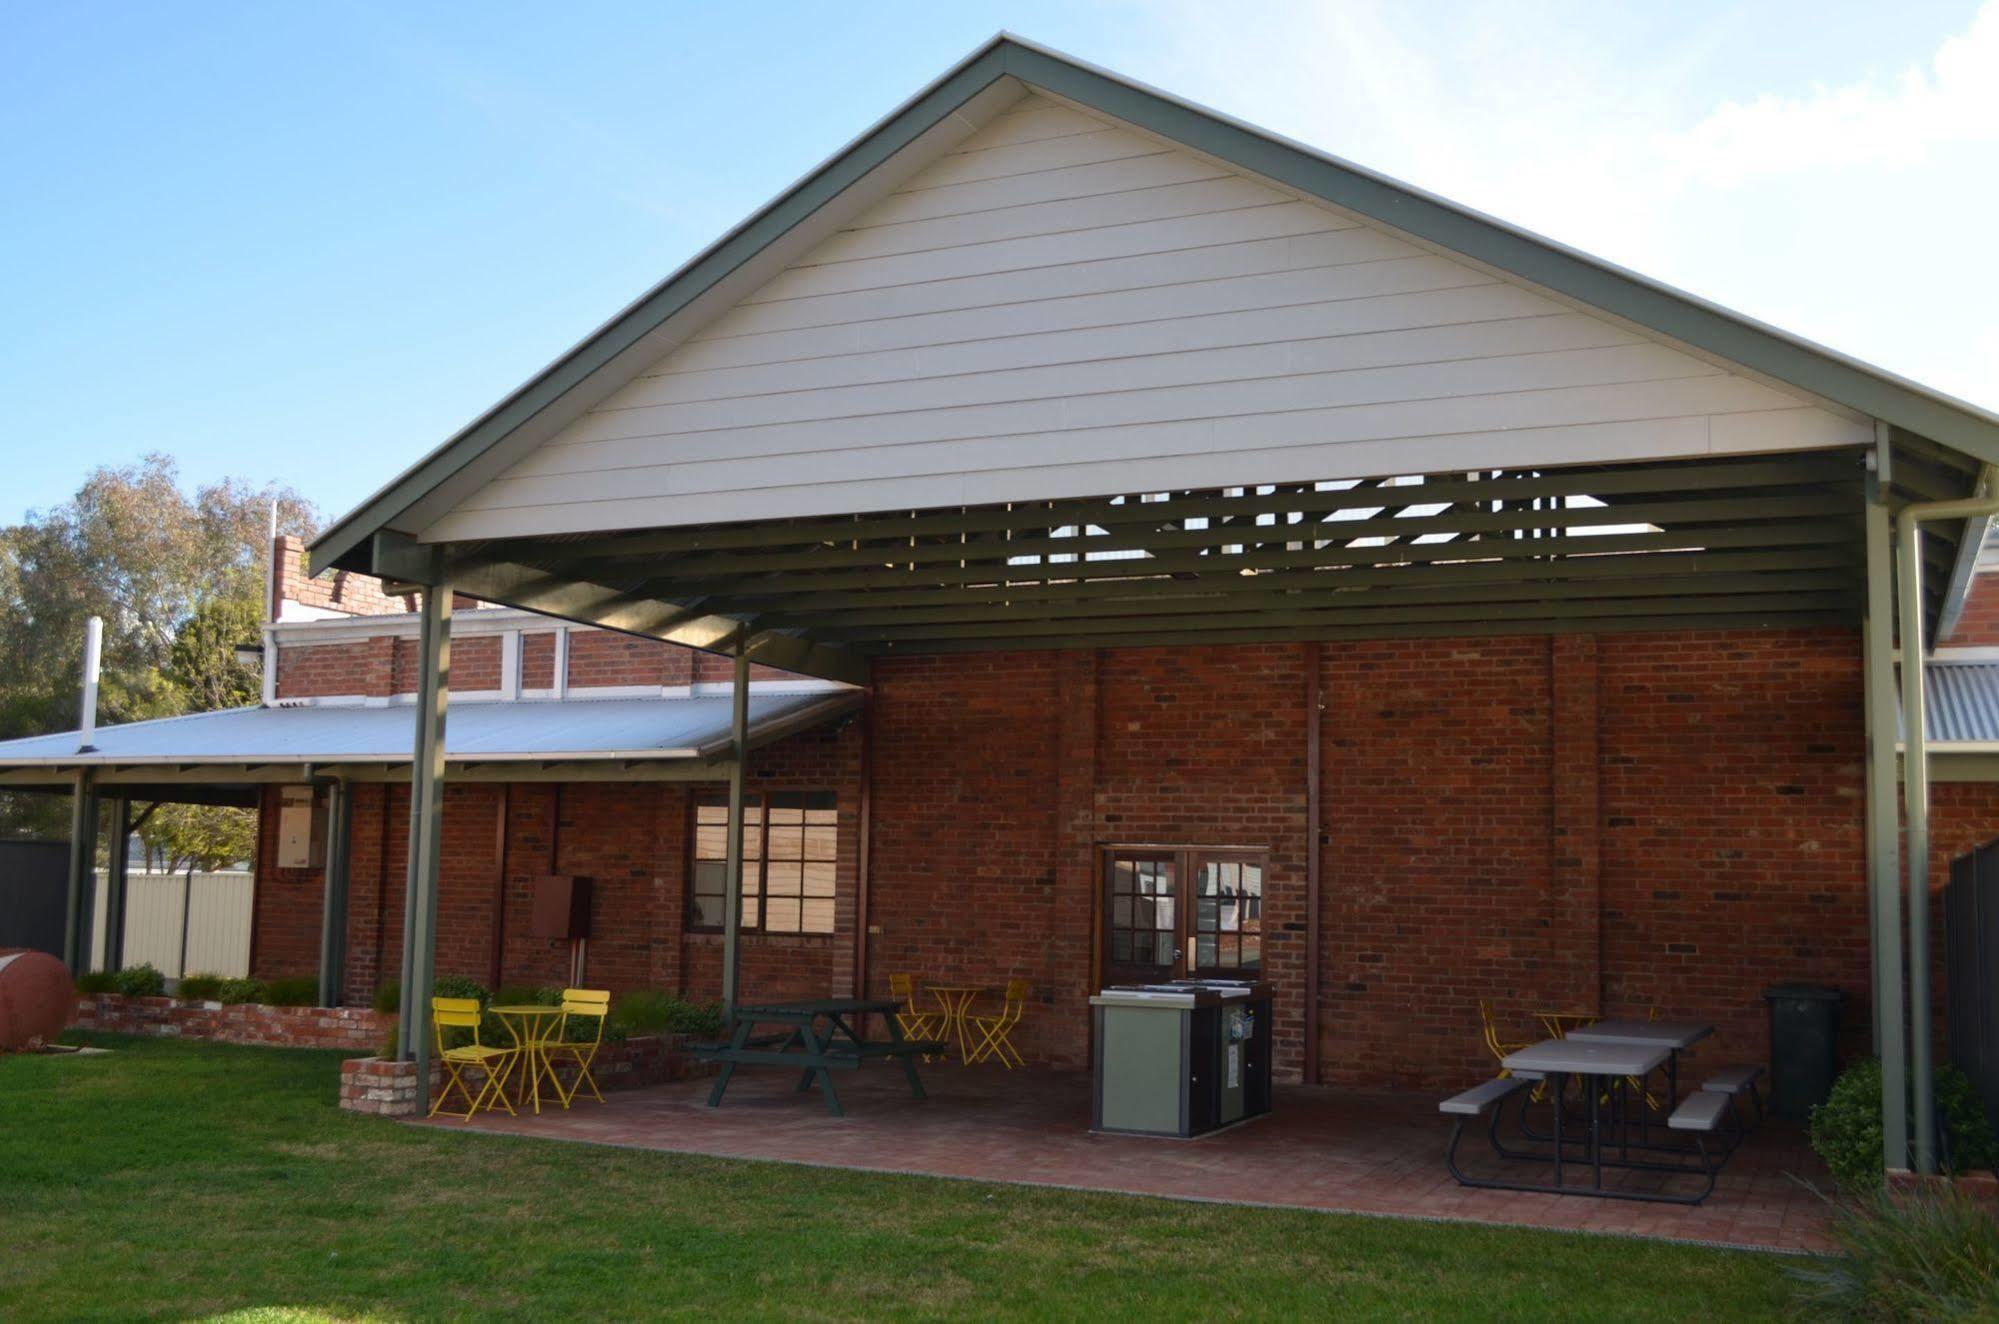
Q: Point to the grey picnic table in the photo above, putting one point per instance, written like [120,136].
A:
[1600,1064]
[818,1038]
[1677,1036]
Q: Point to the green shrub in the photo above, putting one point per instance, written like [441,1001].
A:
[1846,1128]
[458,986]
[139,981]
[388,997]
[292,991]
[387,1049]
[648,1011]
[234,992]
[200,988]
[97,981]
[1927,1255]
[527,995]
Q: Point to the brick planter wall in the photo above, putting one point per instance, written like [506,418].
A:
[384,1088]
[357,1029]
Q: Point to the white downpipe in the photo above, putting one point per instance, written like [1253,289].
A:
[1916,796]
[93,657]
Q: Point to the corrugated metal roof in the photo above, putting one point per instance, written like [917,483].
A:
[1963,702]
[662,728]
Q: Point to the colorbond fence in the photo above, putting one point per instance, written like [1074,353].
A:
[179,922]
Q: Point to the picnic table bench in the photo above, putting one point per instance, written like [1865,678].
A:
[818,1040]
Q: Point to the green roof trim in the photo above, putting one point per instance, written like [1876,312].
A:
[1753,345]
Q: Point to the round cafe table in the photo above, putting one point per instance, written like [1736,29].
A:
[956,1000]
[533,1027]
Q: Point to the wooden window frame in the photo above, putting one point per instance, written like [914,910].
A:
[756,873]
[1186,860]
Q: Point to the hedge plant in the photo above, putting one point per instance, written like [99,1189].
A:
[97,981]
[1846,1129]
[292,991]
[200,988]
[236,992]
[139,981]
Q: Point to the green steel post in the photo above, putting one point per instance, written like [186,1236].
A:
[426,816]
[116,882]
[1916,804]
[732,899]
[82,875]
[333,915]
[1884,886]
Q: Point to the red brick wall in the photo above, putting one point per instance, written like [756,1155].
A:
[1575,824]
[1978,626]
[342,591]
[365,666]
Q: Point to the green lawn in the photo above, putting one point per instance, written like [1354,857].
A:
[169,1180]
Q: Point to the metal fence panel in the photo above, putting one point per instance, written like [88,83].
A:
[1971,970]
[203,916]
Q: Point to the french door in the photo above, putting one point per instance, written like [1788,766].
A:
[1171,912]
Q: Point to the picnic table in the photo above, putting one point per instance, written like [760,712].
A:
[1677,1036]
[1603,1067]
[818,1038]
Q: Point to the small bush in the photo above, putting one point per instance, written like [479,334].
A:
[527,995]
[139,981]
[388,997]
[387,1049]
[200,988]
[97,981]
[293,991]
[1928,1255]
[648,1011]
[235,992]
[1846,1128]
[458,986]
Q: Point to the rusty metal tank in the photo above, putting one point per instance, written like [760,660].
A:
[37,999]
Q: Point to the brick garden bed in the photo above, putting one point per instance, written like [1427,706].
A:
[357,1029]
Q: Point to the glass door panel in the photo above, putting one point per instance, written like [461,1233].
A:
[1142,921]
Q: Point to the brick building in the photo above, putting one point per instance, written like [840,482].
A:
[1444,615]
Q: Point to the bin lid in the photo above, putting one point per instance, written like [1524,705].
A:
[1806,992]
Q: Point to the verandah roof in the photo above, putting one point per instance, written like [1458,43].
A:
[616,736]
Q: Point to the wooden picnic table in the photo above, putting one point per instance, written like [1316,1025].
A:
[820,1039]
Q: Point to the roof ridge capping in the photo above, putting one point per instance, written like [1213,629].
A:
[1589,280]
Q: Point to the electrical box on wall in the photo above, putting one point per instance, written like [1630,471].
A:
[561,907]
[301,844]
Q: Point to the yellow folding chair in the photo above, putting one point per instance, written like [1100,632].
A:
[586,1004]
[1499,1048]
[496,1063]
[914,1024]
[993,1035]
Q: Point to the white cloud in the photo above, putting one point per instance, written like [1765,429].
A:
[1873,121]
[1856,213]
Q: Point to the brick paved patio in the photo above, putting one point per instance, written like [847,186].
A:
[1319,1149]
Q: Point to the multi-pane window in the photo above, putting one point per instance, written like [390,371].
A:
[790,853]
[1172,912]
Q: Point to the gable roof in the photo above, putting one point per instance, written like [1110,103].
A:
[949,108]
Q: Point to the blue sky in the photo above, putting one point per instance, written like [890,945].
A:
[305,243]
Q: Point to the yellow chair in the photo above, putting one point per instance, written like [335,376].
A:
[590,1004]
[914,1024]
[1499,1048]
[496,1063]
[993,1035]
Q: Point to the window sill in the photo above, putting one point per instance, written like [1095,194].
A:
[713,938]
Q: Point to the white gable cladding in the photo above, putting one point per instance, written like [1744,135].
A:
[1063,307]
